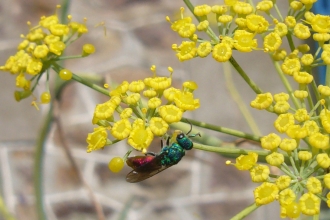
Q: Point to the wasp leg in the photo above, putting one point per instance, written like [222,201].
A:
[151,153]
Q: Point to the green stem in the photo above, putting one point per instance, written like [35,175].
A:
[223,130]
[229,151]
[286,84]
[246,78]
[38,164]
[245,212]
[238,99]
[290,41]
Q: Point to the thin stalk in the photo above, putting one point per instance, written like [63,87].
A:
[239,101]
[245,212]
[38,164]
[286,84]
[223,130]
[246,78]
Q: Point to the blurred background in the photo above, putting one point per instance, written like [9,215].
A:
[137,36]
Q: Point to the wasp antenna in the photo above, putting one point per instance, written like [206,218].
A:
[194,135]
[190,126]
[151,153]
[168,141]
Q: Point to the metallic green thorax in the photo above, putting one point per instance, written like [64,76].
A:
[174,153]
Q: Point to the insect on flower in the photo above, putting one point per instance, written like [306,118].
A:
[151,164]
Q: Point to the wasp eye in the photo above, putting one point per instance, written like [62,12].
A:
[180,136]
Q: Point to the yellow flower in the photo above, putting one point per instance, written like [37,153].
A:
[170,113]
[281,97]
[246,162]
[224,19]
[97,139]
[121,129]
[240,22]
[202,10]
[264,5]
[154,102]
[270,142]
[287,196]
[126,113]
[325,119]
[301,31]
[136,86]
[326,180]
[40,51]
[169,93]
[35,35]
[290,66]
[300,94]
[296,131]
[281,29]
[279,54]
[324,90]
[262,101]
[189,86]
[325,56]
[185,101]
[314,185]
[244,42]
[319,141]
[301,115]
[49,39]
[259,173]
[187,30]
[320,23]
[288,144]
[22,82]
[290,21]
[311,127]
[46,22]
[323,160]
[302,77]
[203,25]
[291,210]
[133,98]
[140,137]
[150,93]
[283,182]
[59,29]
[222,52]
[158,126]
[283,121]
[186,51]
[309,204]
[265,193]
[34,67]
[304,155]
[242,8]
[219,9]
[204,49]
[307,59]
[295,5]
[272,42]
[281,107]
[104,110]
[321,37]
[257,23]
[275,159]
[57,47]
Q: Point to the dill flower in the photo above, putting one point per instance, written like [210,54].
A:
[323,160]
[222,52]
[272,42]
[270,142]
[283,122]
[256,23]
[262,101]
[259,173]
[204,49]
[309,204]
[246,162]
[319,141]
[186,51]
[282,183]
[244,41]
[265,193]
[275,159]
[304,155]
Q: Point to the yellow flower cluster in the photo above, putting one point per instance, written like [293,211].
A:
[145,109]
[239,23]
[39,51]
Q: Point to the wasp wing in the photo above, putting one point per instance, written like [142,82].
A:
[150,167]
